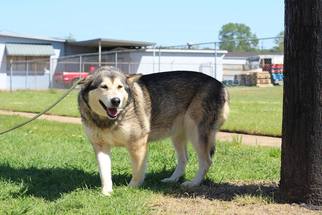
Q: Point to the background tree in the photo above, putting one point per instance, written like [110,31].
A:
[237,37]
[301,167]
[279,42]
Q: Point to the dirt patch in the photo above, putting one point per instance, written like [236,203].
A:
[64,119]
[171,205]
[229,198]
[254,140]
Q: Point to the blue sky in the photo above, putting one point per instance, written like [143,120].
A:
[166,22]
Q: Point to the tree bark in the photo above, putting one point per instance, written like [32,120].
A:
[301,169]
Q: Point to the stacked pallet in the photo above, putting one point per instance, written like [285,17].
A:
[259,79]
[242,79]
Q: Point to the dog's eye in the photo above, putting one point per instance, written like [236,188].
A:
[119,87]
[104,87]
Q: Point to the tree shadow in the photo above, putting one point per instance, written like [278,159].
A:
[208,189]
[229,191]
[213,191]
[51,183]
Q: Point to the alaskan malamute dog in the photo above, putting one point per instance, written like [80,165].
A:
[131,110]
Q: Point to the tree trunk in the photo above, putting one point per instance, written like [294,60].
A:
[301,170]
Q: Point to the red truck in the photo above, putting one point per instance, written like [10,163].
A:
[69,78]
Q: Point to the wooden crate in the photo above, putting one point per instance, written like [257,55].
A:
[254,79]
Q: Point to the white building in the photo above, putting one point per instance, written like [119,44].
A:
[31,62]
[20,48]
[161,60]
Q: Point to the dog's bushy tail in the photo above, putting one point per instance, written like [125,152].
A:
[224,112]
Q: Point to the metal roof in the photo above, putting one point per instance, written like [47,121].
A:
[111,43]
[29,50]
[12,34]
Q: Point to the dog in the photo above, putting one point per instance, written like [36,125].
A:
[132,110]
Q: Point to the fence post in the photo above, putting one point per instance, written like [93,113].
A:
[36,69]
[116,59]
[49,73]
[99,53]
[153,58]
[80,66]
[11,75]
[27,74]
[215,69]
[159,59]
[83,65]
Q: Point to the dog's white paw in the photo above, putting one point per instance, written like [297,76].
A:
[107,192]
[170,180]
[190,184]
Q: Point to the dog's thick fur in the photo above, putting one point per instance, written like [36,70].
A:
[183,105]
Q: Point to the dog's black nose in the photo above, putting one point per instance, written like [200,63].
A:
[115,101]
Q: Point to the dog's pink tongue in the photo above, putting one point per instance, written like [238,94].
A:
[112,111]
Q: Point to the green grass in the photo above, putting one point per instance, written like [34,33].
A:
[255,110]
[50,168]
[37,101]
[252,110]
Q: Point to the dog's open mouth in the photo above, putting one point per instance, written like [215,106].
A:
[111,112]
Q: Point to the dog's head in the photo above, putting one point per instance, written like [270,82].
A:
[107,91]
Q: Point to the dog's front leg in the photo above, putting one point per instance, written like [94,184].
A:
[138,152]
[103,156]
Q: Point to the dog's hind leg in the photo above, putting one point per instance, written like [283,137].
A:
[202,143]
[180,145]
[138,153]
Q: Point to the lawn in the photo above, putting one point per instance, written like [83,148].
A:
[252,110]
[255,110]
[49,168]
[37,101]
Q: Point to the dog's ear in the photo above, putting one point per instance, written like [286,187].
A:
[86,81]
[130,79]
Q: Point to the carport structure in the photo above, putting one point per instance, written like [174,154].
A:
[103,44]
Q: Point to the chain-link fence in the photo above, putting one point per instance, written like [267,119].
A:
[33,74]
[232,68]
[64,71]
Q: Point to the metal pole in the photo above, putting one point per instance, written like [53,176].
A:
[99,53]
[49,73]
[215,60]
[159,58]
[80,66]
[83,65]
[36,68]
[27,74]
[116,59]
[153,58]
[10,75]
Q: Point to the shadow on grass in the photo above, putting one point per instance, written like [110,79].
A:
[47,183]
[210,190]
[51,183]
